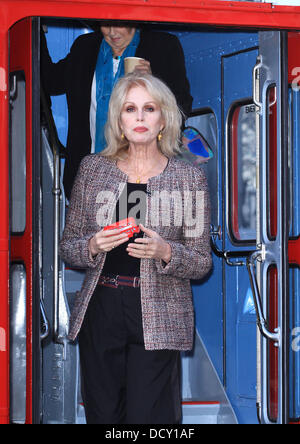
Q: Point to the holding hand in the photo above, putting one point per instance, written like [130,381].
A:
[151,247]
[106,240]
[143,67]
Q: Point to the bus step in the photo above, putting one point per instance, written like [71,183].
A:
[207,412]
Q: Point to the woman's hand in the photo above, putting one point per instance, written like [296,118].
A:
[143,67]
[104,241]
[151,247]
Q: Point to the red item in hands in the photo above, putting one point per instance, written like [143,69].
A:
[128,226]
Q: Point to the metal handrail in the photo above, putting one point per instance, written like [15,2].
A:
[261,320]
[56,191]
[225,254]
[256,69]
[57,149]
[46,327]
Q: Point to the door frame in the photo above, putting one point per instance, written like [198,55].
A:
[270,282]
[24,247]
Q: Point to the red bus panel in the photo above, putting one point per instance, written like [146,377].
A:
[21,243]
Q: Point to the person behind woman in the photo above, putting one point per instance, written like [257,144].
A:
[134,313]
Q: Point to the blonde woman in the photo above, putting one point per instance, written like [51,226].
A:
[134,313]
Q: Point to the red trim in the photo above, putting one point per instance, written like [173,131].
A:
[272,165]
[21,245]
[200,403]
[294,58]
[294,251]
[182,11]
[272,272]
[190,403]
[4,235]
[234,191]
[273,351]
[294,76]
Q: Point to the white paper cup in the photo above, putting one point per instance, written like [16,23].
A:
[130,63]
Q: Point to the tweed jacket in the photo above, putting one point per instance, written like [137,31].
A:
[166,296]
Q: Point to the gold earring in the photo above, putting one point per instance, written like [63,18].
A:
[159,137]
[122,136]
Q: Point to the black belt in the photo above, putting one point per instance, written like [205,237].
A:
[115,281]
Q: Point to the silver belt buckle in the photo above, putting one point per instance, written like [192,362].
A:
[136,281]
[110,280]
[116,281]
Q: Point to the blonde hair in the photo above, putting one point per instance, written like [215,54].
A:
[162,95]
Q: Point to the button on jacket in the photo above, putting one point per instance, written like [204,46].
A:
[166,296]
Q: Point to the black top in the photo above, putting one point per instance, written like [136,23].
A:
[132,202]
[73,76]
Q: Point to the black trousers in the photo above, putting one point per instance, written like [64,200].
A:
[122,383]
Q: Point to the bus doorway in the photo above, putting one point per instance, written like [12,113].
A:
[233,365]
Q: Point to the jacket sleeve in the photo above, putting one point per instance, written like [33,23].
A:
[177,77]
[191,257]
[53,75]
[73,247]
[56,76]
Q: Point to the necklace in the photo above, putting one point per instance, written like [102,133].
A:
[139,176]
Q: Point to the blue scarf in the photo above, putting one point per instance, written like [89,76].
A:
[105,81]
